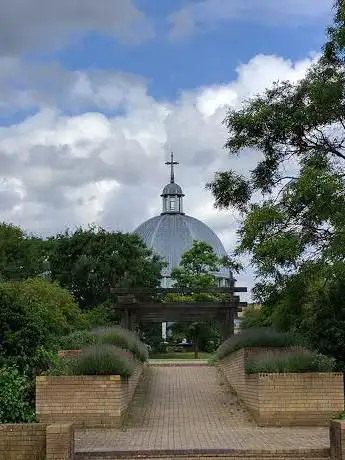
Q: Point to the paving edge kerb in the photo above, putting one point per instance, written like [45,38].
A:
[165,452]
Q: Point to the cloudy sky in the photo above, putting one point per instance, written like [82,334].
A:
[94,95]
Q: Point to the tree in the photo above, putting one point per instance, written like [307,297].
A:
[90,262]
[197,267]
[253,316]
[197,270]
[298,128]
[293,202]
[21,255]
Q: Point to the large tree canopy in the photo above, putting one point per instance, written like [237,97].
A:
[293,202]
[90,262]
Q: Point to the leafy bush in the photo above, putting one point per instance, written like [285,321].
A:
[102,360]
[98,316]
[295,361]
[254,337]
[15,402]
[78,339]
[33,314]
[59,366]
[123,338]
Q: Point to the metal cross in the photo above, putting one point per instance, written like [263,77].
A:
[171,163]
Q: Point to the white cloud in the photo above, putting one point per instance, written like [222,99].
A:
[63,170]
[198,15]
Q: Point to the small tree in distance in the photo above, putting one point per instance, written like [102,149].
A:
[197,270]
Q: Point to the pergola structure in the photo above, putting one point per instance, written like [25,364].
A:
[148,305]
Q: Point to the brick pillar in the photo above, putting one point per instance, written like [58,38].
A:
[60,442]
[337,439]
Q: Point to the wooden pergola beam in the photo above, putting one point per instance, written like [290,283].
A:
[198,306]
[133,291]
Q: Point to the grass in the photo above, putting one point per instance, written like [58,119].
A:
[180,355]
[295,361]
[252,338]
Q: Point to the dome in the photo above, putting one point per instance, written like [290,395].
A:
[171,235]
[172,189]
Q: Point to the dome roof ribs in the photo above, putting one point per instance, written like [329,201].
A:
[172,233]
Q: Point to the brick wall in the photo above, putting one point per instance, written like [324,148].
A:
[300,399]
[129,386]
[86,401]
[337,439]
[251,396]
[284,399]
[25,441]
[60,442]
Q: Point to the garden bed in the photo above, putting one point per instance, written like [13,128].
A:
[287,399]
[93,379]
[85,400]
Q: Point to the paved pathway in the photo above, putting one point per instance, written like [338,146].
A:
[191,407]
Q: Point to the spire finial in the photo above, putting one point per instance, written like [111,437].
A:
[171,163]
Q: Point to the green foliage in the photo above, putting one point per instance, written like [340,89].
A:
[99,315]
[296,361]
[253,316]
[255,337]
[59,366]
[33,314]
[151,334]
[115,335]
[197,267]
[103,360]
[206,334]
[301,214]
[125,339]
[78,340]
[21,256]
[335,45]
[322,321]
[292,202]
[197,270]
[90,262]
[15,404]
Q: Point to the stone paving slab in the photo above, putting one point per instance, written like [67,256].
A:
[188,407]
[178,362]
